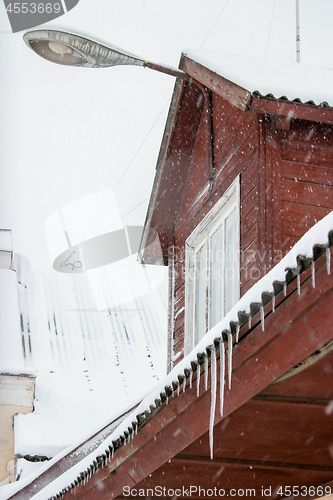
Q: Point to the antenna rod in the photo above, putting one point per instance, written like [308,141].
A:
[298,36]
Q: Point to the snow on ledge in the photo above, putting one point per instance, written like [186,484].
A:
[317,235]
[18,371]
[294,80]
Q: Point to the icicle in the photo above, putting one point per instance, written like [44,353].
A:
[136,429]
[285,288]
[206,372]
[178,389]
[112,452]
[212,401]
[250,320]
[328,260]
[184,383]
[222,375]
[313,271]
[273,303]
[262,317]
[298,283]
[229,358]
[237,332]
[198,379]
[191,376]
[167,401]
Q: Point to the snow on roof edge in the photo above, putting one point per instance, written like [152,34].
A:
[297,81]
[8,490]
[317,235]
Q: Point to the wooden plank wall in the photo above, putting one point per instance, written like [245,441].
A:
[236,137]
[306,157]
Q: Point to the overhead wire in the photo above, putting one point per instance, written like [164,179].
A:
[225,6]
[270,28]
[121,177]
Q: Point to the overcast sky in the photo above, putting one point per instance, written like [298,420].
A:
[70,132]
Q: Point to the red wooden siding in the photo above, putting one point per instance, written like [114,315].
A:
[286,187]
[286,183]
[306,178]
[235,139]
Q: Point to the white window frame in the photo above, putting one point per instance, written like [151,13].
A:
[201,235]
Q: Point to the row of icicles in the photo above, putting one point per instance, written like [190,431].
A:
[180,385]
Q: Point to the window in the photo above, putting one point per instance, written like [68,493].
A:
[212,267]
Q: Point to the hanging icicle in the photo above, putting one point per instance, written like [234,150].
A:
[237,332]
[212,401]
[285,289]
[222,375]
[250,320]
[299,283]
[328,260]
[191,377]
[273,303]
[313,272]
[206,372]
[167,401]
[178,389]
[198,380]
[262,317]
[229,358]
[184,384]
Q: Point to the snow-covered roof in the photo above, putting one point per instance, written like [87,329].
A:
[89,352]
[316,241]
[291,80]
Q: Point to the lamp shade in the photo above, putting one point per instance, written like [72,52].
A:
[76,50]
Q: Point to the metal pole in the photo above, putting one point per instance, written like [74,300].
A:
[168,71]
[298,36]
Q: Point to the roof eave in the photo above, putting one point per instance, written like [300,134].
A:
[167,135]
[291,110]
[255,366]
[233,93]
[247,100]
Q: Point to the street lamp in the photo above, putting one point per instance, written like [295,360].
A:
[75,50]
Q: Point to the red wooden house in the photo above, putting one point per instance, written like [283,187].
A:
[241,177]
[279,153]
